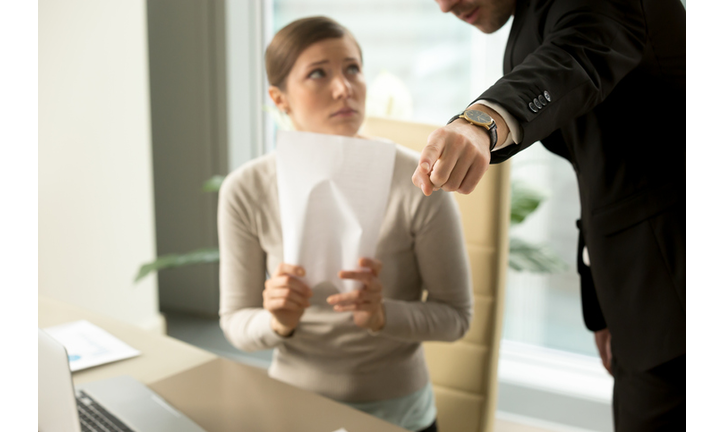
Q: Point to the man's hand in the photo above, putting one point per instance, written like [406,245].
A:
[455,159]
[457,155]
[365,303]
[603,343]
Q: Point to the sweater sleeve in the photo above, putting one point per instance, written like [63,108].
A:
[245,323]
[445,273]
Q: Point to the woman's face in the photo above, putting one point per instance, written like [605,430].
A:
[325,90]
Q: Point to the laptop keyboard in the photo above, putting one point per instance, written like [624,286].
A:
[93,418]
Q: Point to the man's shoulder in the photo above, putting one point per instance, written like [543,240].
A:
[554,10]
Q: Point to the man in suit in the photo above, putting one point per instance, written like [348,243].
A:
[602,84]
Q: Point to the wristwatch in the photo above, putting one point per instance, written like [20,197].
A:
[479,118]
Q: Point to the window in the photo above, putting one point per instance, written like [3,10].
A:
[410,51]
[545,309]
[421,62]
[424,66]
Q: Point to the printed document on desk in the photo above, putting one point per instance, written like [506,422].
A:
[333,193]
[89,345]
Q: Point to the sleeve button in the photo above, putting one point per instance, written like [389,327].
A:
[532,107]
[542,100]
[547,95]
[537,104]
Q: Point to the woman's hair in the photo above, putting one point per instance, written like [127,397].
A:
[289,42]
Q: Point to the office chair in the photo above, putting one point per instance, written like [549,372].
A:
[464,373]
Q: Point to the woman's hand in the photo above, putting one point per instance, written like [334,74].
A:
[365,303]
[286,297]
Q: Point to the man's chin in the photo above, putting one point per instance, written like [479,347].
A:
[486,28]
[491,24]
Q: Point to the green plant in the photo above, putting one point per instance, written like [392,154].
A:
[523,256]
[200,256]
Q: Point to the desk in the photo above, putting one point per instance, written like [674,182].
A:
[161,356]
[218,394]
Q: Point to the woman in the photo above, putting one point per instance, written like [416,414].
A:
[363,347]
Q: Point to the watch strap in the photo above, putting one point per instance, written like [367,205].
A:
[493,131]
[493,136]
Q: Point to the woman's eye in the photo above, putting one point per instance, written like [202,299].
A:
[353,69]
[316,73]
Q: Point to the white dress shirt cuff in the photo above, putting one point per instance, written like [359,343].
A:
[513,126]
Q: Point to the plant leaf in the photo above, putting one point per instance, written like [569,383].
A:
[534,258]
[200,256]
[524,200]
[213,184]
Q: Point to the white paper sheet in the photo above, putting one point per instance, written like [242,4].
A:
[333,193]
[89,345]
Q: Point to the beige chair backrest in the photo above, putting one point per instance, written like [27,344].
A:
[464,373]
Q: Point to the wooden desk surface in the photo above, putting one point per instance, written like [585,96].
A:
[161,356]
[218,394]
[222,395]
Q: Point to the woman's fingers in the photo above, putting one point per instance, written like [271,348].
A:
[358,297]
[284,303]
[345,298]
[369,297]
[370,294]
[292,297]
[366,276]
[368,307]
[291,282]
[289,269]
[373,264]
[285,291]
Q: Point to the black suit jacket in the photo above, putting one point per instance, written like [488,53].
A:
[602,84]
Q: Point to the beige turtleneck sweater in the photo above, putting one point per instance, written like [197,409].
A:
[421,247]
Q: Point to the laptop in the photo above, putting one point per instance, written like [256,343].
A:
[119,404]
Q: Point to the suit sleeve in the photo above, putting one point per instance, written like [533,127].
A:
[592,314]
[587,48]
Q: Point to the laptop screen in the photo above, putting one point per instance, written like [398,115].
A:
[56,397]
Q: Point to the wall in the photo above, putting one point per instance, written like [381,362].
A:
[186,40]
[95,192]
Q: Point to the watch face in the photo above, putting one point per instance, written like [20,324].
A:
[478,117]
